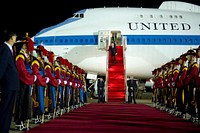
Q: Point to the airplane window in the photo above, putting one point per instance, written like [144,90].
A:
[159,40]
[170,16]
[133,40]
[143,40]
[86,40]
[91,40]
[71,40]
[190,41]
[161,16]
[56,40]
[141,16]
[151,16]
[81,40]
[164,40]
[180,40]
[180,16]
[46,41]
[148,40]
[66,40]
[138,40]
[51,41]
[61,40]
[185,40]
[127,40]
[175,16]
[195,41]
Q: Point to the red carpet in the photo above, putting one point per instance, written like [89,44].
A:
[116,86]
[116,118]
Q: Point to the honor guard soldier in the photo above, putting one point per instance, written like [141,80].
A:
[75,77]
[169,89]
[73,97]
[165,89]
[197,81]
[52,84]
[159,86]
[84,86]
[69,82]
[81,86]
[190,83]
[64,77]
[23,107]
[77,92]
[181,89]
[171,85]
[67,85]
[38,70]
[59,94]
[154,93]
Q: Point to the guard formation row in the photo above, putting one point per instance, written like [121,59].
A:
[50,85]
[177,86]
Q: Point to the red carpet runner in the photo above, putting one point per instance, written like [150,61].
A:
[116,118]
[116,86]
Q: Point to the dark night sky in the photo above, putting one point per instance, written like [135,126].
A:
[32,16]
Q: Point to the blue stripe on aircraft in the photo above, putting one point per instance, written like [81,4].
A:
[131,40]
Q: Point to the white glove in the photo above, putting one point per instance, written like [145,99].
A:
[47,79]
[75,84]
[168,84]
[78,85]
[173,84]
[35,78]
[65,82]
[70,83]
[59,81]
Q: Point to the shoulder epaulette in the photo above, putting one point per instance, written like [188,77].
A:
[68,73]
[47,66]
[63,70]
[184,68]
[35,62]
[20,56]
[170,72]
[195,64]
[176,70]
[57,68]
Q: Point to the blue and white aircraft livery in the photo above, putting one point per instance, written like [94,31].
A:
[152,36]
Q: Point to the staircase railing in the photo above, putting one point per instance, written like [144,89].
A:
[124,44]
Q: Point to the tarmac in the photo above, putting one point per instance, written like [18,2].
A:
[141,100]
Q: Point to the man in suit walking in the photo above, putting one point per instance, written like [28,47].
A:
[113,51]
[100,87]
[132,88]
[9,81]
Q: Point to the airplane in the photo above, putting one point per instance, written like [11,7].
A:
[151,36]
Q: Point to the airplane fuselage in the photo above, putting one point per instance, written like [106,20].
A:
[154,37]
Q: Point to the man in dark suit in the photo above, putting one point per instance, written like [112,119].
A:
[100,89]
[132,88]
[9,81]
[113,52]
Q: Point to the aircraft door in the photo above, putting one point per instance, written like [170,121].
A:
[103,39]
[124,41]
